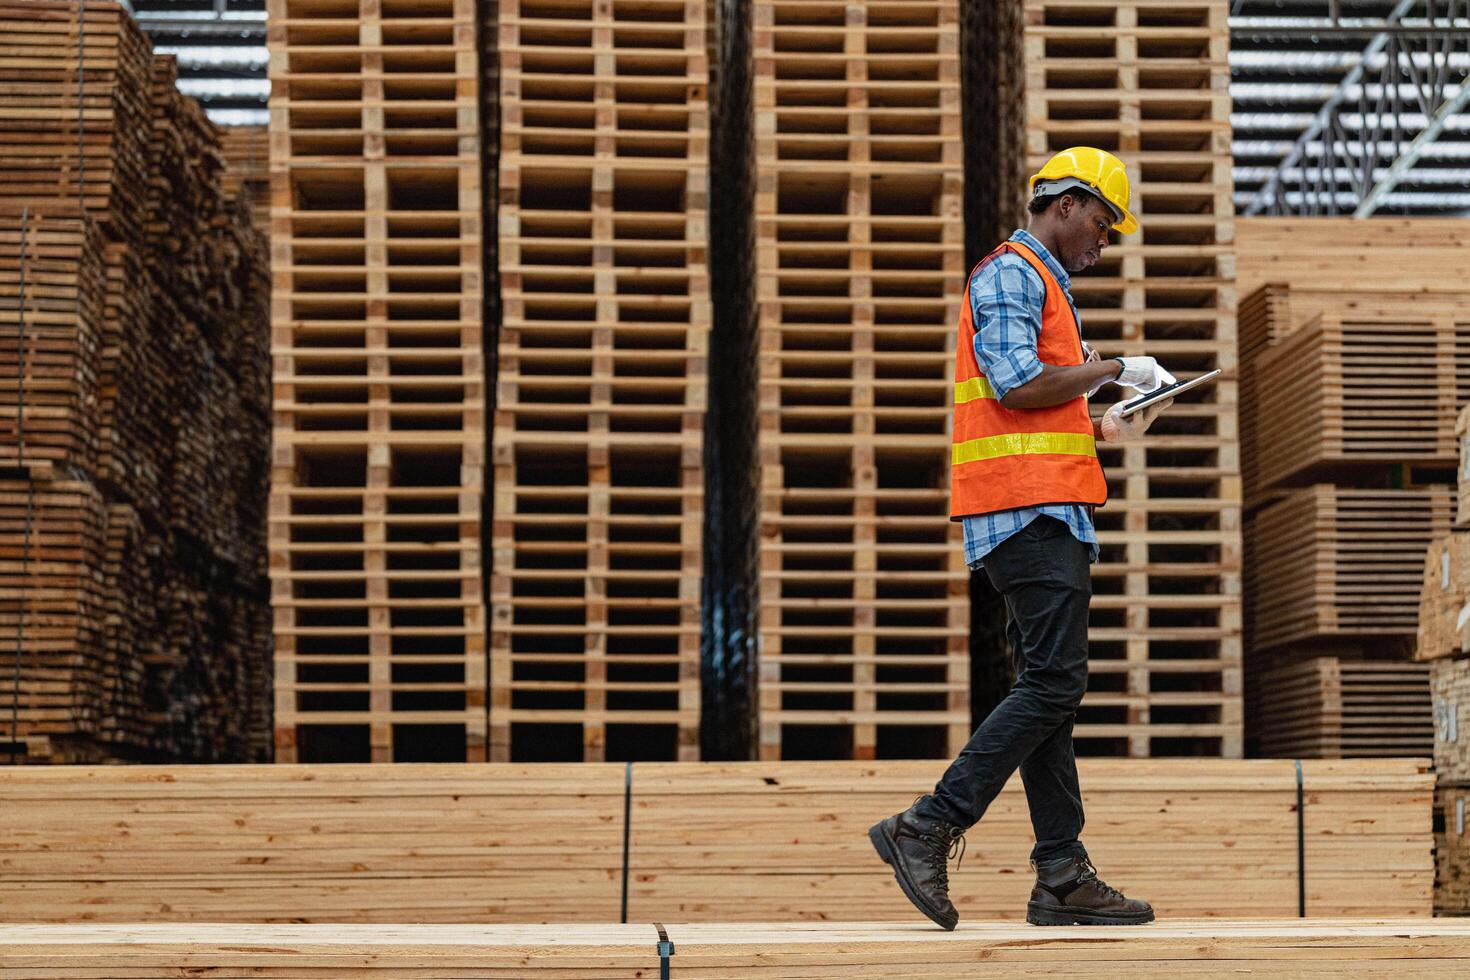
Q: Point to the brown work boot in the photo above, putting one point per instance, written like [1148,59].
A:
[1068,892]
[918,848]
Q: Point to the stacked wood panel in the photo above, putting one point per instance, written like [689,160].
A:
[1357,353]
[601,394]
[1326,708]
[379,430]
[134,476]
[1148,80]
[859,272]
[746,842]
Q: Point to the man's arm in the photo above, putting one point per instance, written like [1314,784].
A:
[1055,385]
[1005,303]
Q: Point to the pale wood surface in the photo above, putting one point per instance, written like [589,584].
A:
[1362,947]
[748,841]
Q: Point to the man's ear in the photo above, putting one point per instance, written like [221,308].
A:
[1065,204]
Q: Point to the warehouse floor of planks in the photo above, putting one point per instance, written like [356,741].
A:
[1185,948]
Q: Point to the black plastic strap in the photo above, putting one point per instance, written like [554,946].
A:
[1301,844]
[665,950]
[627,831]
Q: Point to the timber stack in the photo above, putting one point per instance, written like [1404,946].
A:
[132,502]
[1354,372]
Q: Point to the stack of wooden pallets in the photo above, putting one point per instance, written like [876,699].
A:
[1444,641]
[1148,80]
[379,434]
[133,504]
[859,270]
[601,390]
[1357,361]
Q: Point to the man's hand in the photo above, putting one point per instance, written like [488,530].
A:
[1143,374]
[1117,427]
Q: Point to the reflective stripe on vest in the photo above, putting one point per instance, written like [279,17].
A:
[1024,444]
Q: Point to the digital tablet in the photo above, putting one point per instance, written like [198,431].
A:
[1168,391]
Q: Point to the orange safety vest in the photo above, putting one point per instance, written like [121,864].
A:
[1005,458]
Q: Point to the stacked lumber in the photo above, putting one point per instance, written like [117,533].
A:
[747,842]
[1347,390]
[135,495]
[378,422]
[1452,849]
[1352,347]
[1148,80]
[864,606]
[1420,254]
[1376,949]
[1462,480]
[246,153]
[601,391]
[1334,564]
[1326,708]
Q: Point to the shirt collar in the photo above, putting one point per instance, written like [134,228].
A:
[1030,241]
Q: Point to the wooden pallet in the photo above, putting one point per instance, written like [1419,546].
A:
[602,381]
[1326,708]
[1369,948]
[1348,253]
[746,842]
[1452,849]
[1339,564]
[859,272]
[378,423]
[1449,685]
[1148,80]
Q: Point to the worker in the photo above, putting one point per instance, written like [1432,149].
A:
[1025,480]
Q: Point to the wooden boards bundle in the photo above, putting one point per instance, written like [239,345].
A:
[1452,849]
[1417,254]
[1443,620]
[747,841]
[1371,948]
[1345,390]
[1326,708]
[139,604]
[378,426]
[1449,685]
[1148,80]
[1331,562]
[860,267]
[602,385]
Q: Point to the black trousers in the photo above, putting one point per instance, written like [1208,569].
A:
[1043,573]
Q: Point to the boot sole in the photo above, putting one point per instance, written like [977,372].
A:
[1050,915]
[885,846]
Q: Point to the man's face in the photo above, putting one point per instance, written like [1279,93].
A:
[1083,231]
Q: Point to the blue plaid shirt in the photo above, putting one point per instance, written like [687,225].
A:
[1005,301]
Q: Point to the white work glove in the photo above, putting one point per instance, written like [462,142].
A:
[1143,374]
[1117,427]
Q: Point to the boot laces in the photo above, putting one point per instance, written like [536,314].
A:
[946,842]
[1089,873]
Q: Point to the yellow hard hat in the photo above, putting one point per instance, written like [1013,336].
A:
[1096,170]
